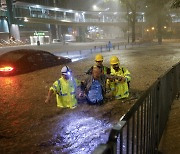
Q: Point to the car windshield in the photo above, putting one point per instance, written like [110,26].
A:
[11,57]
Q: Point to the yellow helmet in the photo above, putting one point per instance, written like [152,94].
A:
[99,57]
[114,60]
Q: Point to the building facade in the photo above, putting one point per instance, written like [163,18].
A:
[63,20]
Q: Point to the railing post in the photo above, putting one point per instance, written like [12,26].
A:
[157,111]
[91,51]
[114,136]
[103,149]
[133,132]
[94,48]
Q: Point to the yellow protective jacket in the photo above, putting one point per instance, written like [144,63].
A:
[65,91]
[120,89]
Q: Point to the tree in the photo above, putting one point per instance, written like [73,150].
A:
[175,4]
[157,14]
[132,7]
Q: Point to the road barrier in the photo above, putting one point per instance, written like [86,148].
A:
[102,48]
[140,129]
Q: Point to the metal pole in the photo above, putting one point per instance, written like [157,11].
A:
[91,51]
[128,22]
[137,132]
[133,133]
[127,140]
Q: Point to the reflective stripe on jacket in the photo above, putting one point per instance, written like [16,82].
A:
[65,91]
[120,89]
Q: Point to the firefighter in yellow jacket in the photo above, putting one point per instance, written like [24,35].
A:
[65,90]
[120,88]
[99,63]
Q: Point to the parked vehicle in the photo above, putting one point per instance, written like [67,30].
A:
[28,60]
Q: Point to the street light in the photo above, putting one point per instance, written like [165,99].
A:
[95,7]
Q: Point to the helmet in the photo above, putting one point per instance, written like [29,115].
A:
[66,70]
[99,57]
[114,60]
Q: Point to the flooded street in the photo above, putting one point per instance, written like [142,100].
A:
[28,125]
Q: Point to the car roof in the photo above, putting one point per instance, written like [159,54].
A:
[26,51]
[14,55]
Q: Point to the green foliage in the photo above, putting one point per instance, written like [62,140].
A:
[175,4]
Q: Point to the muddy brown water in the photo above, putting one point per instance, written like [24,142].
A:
[28,125]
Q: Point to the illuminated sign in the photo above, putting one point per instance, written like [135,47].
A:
[39,34]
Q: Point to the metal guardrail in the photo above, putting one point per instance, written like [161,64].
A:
[140,129]
[101,48]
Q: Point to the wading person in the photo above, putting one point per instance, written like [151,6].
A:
[99,63]
[64,89]
[119,88]
[95,86]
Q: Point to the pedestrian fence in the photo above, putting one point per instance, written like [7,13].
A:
[98,49]
[140,129]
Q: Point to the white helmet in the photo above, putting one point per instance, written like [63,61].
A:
[66,70]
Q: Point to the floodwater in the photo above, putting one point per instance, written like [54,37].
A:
[28,125]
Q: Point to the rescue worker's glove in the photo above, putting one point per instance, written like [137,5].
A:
[121,79]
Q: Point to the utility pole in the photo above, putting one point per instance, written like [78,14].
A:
[9,11]
[128,22]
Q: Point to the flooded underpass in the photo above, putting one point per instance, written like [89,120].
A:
[28,125]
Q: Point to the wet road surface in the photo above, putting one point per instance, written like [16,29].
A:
[28,125]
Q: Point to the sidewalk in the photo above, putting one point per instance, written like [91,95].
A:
[170,142]
[58,47]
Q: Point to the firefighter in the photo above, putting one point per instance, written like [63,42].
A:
[65,90]
[99,63]
[120,88]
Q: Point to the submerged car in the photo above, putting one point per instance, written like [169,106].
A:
[28,60]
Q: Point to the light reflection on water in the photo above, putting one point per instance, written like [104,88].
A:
[74,57]
[12,105]
[81,133]
[8,87]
